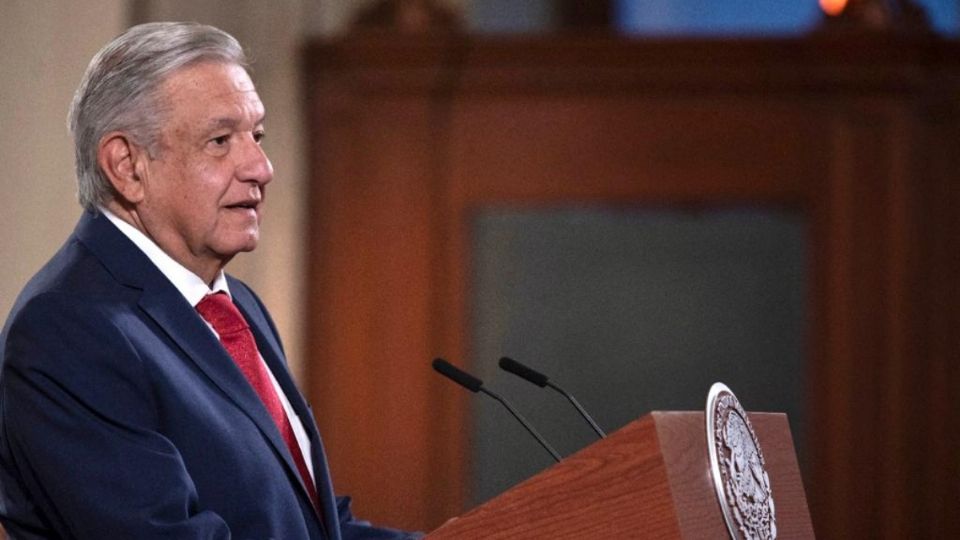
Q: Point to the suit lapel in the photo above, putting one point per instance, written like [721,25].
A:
[184,326]
[273,355]
[163,303]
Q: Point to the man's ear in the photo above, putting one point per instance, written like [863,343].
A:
[124,164]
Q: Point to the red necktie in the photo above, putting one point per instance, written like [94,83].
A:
[218,310]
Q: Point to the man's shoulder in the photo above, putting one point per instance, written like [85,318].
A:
[74,278]
[73,270]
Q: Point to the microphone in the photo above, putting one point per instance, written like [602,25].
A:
[541,380]
[474,384]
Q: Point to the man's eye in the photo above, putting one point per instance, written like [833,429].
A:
[221,140]
[258,136]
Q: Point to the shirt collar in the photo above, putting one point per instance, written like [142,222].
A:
[190,285]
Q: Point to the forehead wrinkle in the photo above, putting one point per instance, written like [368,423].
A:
[231,122]
[243,92]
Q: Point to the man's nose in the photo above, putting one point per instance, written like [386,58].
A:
[254,165]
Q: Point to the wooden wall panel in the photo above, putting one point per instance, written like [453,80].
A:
[373,273]
[412,135]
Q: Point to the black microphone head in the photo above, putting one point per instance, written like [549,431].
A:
[457,375]
[520,370]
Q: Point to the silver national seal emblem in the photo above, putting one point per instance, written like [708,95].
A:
[737,467]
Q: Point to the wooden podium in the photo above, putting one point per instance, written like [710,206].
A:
[650,479]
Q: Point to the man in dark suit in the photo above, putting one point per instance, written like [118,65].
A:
[144,393]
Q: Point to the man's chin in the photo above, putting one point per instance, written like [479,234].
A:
[246,248]
[241,245]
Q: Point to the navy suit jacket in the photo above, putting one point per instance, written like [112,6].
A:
[122,416]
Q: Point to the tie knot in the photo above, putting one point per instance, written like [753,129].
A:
[218,310]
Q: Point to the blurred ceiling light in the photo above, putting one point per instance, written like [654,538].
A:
[833,8]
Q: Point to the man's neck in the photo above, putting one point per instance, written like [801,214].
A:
[207,271]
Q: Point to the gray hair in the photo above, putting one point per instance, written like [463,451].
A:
[120,91]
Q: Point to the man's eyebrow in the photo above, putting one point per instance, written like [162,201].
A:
[229,122]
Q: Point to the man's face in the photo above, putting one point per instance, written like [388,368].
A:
[204,187]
